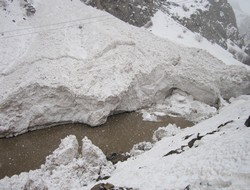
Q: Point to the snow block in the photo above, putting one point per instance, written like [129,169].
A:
[77,75]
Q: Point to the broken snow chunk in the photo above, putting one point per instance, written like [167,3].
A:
[168,131]
[91,153]
[66,153]
[148,116]
[140,148]
[95,158]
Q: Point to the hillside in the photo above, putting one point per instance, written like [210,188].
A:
[213,20]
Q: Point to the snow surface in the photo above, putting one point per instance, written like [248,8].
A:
[79,68]
[219,160]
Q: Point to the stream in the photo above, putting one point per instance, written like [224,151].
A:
[118,135]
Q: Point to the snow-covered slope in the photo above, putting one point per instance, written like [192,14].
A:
[72,63]
[213,154]
[166,27]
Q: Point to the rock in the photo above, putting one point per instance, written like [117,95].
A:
[109,186]
[103,186]
[247,123]
[117,157]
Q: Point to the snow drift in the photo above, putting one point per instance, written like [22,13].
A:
[87,65]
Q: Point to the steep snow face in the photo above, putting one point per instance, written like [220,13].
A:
[78,64]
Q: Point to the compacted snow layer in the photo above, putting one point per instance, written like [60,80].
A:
[213,154]
[87,65]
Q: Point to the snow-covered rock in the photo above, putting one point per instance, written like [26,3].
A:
[64,169]
[87,65]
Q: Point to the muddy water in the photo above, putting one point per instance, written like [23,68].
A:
[118,134]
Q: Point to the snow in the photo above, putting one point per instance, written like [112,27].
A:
[84,74]
[220,159]
[166,27]
[62,72]
[64,169]
[182,105]
[148,117]
[187,8]
[168,131]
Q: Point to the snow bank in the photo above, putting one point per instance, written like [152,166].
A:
[64,169]
[84,74]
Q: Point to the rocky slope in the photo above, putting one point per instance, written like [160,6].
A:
[243,22]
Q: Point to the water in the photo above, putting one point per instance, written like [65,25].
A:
[119,134]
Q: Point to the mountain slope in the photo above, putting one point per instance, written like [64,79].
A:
[214,20]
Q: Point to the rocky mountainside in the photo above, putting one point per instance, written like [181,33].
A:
[243,22]
[212,19]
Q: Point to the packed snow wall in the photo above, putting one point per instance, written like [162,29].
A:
[84,74]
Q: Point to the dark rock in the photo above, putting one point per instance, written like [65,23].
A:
[30,10]
[224,124]
[191,143]
[137,12]
[187,137]
[247,123]
[116,157]
[109,186]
